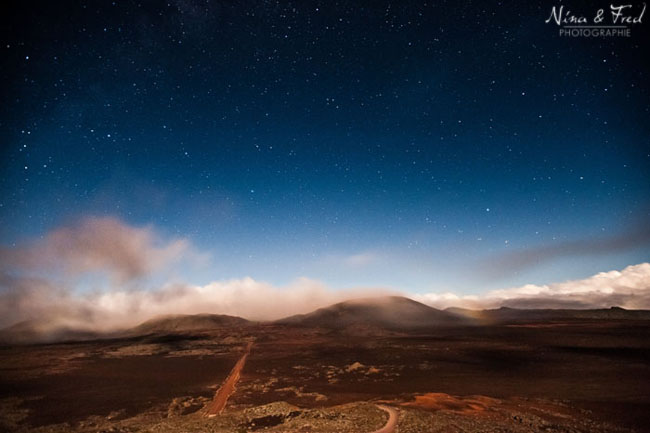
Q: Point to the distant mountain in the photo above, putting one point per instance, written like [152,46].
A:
[389,312]
[365,316]
[509,315]
[42,331]
[187,322]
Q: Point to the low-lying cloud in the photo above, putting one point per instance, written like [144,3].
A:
[116,309]
[628,288]
[39,282]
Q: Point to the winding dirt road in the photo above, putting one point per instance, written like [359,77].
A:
[390,425]
[218,403]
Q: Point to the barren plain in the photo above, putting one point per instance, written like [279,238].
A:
[573,375]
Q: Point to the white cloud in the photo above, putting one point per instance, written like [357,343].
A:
[244,297]
[629,288]
[115,309]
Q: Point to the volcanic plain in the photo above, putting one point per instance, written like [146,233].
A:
[388,365]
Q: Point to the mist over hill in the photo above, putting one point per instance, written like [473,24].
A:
[390,313]
[188,322]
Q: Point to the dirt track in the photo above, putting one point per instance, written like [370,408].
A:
[392,420]
[218,403]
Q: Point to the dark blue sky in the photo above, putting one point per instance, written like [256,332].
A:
[421,146]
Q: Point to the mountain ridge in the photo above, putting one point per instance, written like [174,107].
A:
[392,313]
[510,314]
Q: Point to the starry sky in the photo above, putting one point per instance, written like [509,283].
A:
[424,146]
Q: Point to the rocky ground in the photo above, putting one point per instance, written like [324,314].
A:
[588,378]
[439,413]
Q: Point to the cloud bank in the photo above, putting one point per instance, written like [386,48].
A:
[116,309]
[629,288]
[39,282]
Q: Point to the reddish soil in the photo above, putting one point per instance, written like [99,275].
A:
[602,366]
[94,385]
[441,401]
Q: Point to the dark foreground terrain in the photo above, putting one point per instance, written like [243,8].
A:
[574,375]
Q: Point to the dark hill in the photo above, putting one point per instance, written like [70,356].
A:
[390,312]
[187,322]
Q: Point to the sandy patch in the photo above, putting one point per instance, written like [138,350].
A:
[466,405]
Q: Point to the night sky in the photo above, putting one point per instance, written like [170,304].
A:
[408,145]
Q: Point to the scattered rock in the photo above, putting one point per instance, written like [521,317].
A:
[354,367]
[185,405]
